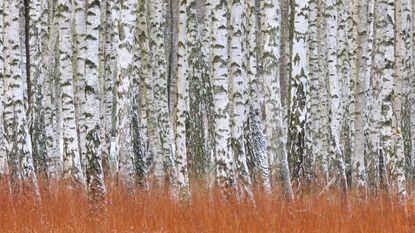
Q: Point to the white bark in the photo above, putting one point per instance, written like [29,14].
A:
[298,89]
[276,140]
[124,147]
[90,109]
[396,163]
[37,41]
[3,155]
[225,165]
[256,145]
[333,80]
[312,136]
[359,178]
[79,73]
[71,157]
[54,162]
[17,139]
[238,93]
[165,160]
[182,106]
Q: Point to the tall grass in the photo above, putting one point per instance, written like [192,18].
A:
[65,210]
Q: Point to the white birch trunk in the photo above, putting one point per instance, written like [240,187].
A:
[182,105]
[276,140]
[224,160]
[124,147]
[359,178]
[312,136]
[156,28]
[37,41]
[396,163]
[79,73]
[90,109]
[333,80]
[298,89]
[256,145]
[17,139]
[238,93]
[3,155]
[53,160]
[71,157]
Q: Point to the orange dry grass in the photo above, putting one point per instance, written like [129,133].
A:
[62,210]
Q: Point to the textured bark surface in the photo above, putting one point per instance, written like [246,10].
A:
[270,35]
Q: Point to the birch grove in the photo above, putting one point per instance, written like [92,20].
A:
[243,95]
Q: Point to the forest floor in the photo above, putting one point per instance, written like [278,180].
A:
[63,210]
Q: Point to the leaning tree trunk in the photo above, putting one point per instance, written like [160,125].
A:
[276,140]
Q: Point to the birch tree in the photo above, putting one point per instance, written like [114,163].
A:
[71,162]
[225,165]
[385,62]
[182,106]
[312,124]
[270,35]
[80,48]
[396,161]
[53,163]
[359,178]
[154,141]
[90,109]
[238,93]
[298,86]
[16,132]
[158,60]
[125,151]
[3,156]
[333,81]
[37,41]
[255,139]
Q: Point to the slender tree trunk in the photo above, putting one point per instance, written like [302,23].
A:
[166,158]
[358,169]
[396,163]
[182,105]
[3,155]
[71,157]
[90,109]
[79,74]
[53,163]
[38,37]
[238,93]
[298,89]
[124,146]
[16,130]
[256,145]
[276,140]
[333,80]
[224,160]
